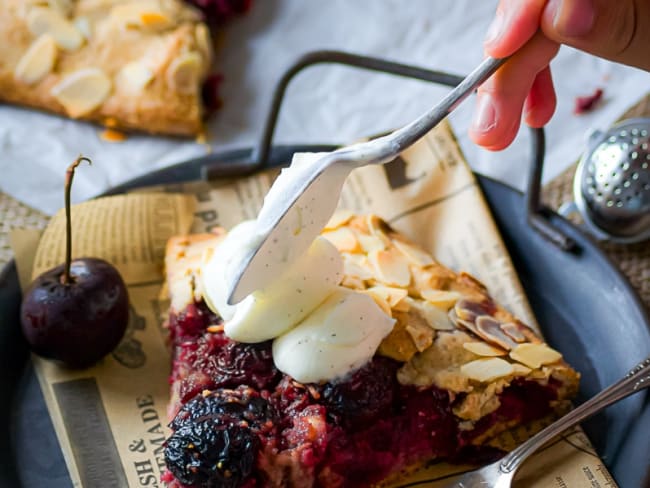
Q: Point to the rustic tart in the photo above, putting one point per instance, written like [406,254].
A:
[453,370]
[130,64]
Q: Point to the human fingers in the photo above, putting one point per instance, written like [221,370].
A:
[500,100]
[515,23]
[617,30]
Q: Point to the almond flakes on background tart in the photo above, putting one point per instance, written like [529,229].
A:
[137,63]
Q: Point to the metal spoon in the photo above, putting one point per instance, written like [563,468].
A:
[291,219]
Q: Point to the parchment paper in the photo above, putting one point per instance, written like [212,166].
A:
[110,419]
[325,104]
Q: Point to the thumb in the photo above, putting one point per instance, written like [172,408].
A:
[617,30]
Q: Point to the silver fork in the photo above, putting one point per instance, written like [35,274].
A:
[501,473]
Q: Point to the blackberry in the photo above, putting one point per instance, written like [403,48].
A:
[236,364]
[206,454]
[217,436]
[364,396]
[225,406]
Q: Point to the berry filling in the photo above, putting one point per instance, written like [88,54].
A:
[239,422]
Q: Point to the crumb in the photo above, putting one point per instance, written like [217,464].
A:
[587,103]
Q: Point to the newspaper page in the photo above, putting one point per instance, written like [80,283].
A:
[428,193]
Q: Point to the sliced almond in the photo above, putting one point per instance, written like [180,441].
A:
[390,295]
[353,282]
[340,217]
[461,323]
[535,355]
[520,369]
[343,239]
[486,370]
[402,306]
[370,243]
[378,228]
[356,265]
[43,20]
[489,328]
[37,61]
[133,78]
[520,332]
[414,254]
[183,74]
[483,349]
[440,298]
[83,25]
[390,268]
[204,45]
[82,91]
[470,309]
[422,336]
[434,316]
[422,279]
[383,304]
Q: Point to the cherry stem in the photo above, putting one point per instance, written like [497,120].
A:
[69,175]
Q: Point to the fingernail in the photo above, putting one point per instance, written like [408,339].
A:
[485,117]
[496,28]
[574,18]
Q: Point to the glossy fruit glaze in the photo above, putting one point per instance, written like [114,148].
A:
[242,423]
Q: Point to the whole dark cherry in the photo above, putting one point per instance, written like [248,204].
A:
[76,312]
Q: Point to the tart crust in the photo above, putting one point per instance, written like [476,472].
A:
[126,64]
[450,335]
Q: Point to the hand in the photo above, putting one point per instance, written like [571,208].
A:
[618,30]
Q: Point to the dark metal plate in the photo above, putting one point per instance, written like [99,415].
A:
[586,309]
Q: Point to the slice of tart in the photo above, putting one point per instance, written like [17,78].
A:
[131,64]
[453,370]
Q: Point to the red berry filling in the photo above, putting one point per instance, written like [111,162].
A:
[243,423]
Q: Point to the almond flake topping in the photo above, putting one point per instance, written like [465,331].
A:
[133,78]
[535,355]
[489,328]
[342,238]
[414,254]
[486,370]
[184,73]
[390,268]
[38,61]
[82,91]
[340,217]
[371,243]
[390,295]
[483,349]
[440,298]
[434,316]
[43,20]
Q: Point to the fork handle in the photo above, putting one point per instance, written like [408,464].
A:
[636,380]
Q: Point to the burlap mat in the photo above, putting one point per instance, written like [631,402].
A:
[633,260]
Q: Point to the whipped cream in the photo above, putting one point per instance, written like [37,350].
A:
[321,331]
[341,335]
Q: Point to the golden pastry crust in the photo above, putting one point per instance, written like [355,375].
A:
[147,61]
[449,332]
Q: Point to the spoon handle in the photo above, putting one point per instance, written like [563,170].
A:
[412,132]
[636,380]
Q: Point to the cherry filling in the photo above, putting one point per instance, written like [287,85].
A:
[242,423]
